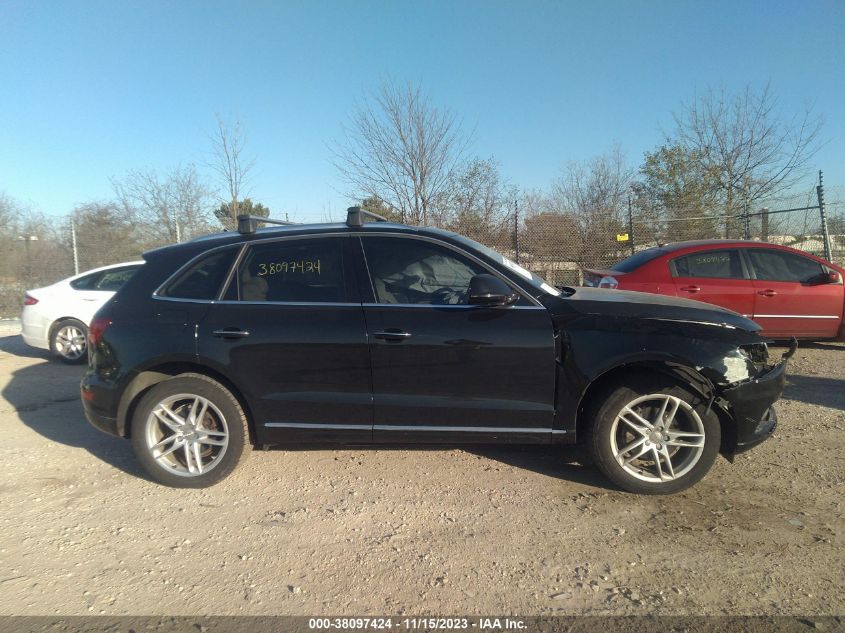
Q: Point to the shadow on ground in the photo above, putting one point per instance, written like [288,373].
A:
[568,463]
[827,392]
[45,397]
[14,345]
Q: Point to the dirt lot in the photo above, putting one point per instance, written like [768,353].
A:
[384,532]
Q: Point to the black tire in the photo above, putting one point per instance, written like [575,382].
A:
[69,348]
[604,434]
[223,415]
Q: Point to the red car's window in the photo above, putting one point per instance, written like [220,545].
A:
[712,264]
[782,266]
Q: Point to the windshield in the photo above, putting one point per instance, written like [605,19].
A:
[534,280]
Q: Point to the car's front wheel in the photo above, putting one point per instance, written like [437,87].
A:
[189,431]
[69,341]
[651,436]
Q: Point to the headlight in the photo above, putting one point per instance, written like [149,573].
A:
[757,353]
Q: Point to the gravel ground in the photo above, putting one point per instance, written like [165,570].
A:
[384,532]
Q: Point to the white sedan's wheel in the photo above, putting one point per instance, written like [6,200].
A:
[69,341]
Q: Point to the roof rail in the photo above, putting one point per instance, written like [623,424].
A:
[247,224]
[355,216]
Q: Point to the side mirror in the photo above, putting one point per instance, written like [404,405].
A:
[832,278]
[488,290]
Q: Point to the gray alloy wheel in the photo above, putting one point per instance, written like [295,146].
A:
[186,434]
[189,431]
[650,436]
[69,341]
[657,437]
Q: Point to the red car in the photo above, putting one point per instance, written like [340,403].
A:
[788,292]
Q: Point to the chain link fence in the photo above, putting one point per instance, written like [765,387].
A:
[556,245]
[559,246]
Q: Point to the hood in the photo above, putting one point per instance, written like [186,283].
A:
[646,306]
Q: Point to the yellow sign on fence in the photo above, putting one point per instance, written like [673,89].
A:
[622,237]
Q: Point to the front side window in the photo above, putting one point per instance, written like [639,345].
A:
[202,280]
[709,264]
[782,266]
[411,271]
[303,271]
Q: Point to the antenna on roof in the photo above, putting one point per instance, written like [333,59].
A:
[355,216]
[247,224]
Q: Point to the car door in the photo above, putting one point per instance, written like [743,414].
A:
[716,276]
[290,332]
[445,371]
[793,295]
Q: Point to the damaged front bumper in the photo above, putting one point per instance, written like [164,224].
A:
[750,404]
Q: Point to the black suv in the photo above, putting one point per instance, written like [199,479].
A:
[371,333]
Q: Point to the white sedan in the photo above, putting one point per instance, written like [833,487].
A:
[56,317]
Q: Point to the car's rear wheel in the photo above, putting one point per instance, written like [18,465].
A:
[69,341]
[189,431]
[651,436]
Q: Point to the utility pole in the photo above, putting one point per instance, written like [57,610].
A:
[746,231]
[631,224]
[823,214]
[516,230]
[73,243]
[26,239]
[764,224]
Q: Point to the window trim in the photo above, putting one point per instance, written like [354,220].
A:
[746,272]
[753,270]
[341,234]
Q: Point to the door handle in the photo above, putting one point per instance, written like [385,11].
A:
[392,334]
[691,289]
[230,333]
[768,292]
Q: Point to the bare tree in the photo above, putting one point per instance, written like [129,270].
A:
[168,207]
[742,141]
[400,149]
[231,165]
[106,235]
[479,201]
[594,194]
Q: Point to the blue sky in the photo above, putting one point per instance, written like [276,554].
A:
[91,90]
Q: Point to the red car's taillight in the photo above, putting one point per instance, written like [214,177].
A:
[95,331]
[29,300]
[608,282]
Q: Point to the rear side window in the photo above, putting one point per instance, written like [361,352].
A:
[636,260]
[709,264]
[204,278]
[113,280]
[85,283]
[302,271]
[782,266]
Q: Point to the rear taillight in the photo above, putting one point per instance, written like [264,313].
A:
[608,282]
[29,300]
[96,330]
